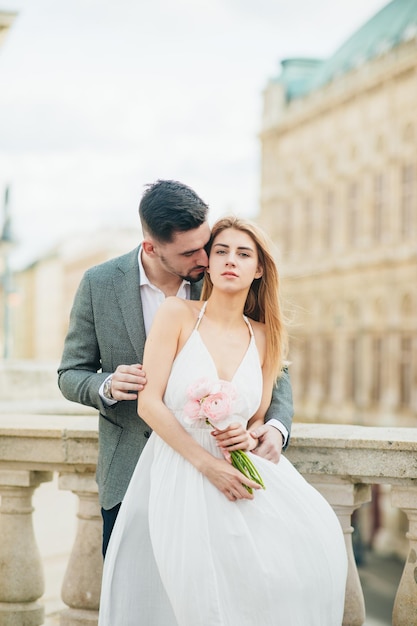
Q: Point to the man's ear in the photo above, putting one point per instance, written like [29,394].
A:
[148,247]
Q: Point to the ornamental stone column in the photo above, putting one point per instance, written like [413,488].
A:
[21,573]
[405,605]
[82,582]
[345,498]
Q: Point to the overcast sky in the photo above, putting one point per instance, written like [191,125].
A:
[98,98]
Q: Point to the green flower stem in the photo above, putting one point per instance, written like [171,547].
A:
[242,462]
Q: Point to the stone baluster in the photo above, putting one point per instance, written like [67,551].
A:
[405,605]
[82,581]
[21,572]
[345,498]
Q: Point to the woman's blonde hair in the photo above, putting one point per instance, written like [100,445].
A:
[262,302]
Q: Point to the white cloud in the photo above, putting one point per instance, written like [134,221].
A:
[99,98]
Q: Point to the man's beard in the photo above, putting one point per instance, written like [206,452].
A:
[194,279]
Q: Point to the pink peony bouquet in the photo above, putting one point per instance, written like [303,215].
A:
[216,402]
[212,400]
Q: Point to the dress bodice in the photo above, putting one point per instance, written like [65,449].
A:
[195,357]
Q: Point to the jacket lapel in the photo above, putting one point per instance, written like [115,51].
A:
[195,290]
[126,285]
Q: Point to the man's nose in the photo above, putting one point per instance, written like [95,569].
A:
[202,258]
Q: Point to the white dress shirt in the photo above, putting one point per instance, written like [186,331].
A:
[152,297]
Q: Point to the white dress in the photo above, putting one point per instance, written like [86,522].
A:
[182,554]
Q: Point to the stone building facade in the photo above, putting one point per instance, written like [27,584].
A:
[339,200]
[44,291]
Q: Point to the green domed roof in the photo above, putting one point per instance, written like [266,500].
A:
[395,23]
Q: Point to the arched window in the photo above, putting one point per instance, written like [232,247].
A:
[376,380]
[408,224]
[328,220]
[407,305]
[406,362]
[380,206]
[406,371]
[353,214]
[328,369]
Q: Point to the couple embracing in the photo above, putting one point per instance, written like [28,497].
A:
[197,538]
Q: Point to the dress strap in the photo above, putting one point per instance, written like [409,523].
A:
[200,315]
[249,325]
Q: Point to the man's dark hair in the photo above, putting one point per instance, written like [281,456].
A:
[168,206]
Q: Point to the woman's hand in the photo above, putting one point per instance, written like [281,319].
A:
[229,480]
[234,437]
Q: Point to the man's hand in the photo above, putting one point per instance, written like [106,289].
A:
[127,381]
[270,442]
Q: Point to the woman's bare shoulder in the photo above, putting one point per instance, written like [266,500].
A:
[173,306]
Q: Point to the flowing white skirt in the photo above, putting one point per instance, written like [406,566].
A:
[181,554]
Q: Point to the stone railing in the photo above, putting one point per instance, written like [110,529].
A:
[343,462]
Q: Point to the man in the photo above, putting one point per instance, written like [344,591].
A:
[110,318]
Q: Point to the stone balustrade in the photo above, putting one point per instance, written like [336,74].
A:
[342,461]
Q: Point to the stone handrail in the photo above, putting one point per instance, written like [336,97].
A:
[342,461]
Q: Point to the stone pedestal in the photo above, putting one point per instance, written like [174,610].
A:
[405,606]
[21,572]
[345,498]
[82,582]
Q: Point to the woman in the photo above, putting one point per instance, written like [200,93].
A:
[197,542]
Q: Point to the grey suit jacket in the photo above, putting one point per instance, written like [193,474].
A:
[107,329]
